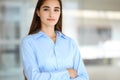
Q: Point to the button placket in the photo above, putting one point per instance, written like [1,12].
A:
[53,45]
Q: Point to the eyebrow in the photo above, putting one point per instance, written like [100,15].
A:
[57,7]
[46,7]
[49,7]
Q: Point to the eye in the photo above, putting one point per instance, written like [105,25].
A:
[56,10]
[45,9]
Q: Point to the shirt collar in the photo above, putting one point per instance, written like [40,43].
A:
[59,34]
[42,34]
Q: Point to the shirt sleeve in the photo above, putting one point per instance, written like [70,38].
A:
[31,68]
[79,65]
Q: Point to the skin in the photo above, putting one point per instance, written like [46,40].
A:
[72,72]
[49,14]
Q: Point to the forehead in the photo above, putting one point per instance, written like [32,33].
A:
[51,3]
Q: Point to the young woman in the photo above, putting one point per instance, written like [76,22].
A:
[48,54]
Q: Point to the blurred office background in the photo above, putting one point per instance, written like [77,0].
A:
[93,24]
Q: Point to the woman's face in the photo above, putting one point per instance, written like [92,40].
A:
[49,12]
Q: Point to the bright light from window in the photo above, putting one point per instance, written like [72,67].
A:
[93,14]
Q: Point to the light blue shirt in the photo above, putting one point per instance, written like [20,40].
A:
[45,60]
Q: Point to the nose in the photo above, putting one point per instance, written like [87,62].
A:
[51,13]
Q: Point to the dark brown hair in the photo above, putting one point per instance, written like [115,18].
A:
[36,22]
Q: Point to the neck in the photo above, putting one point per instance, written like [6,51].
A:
[49,30]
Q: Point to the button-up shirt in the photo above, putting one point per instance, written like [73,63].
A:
[45,60]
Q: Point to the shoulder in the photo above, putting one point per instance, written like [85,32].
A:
[26,39]
[71,40]
[31,36]
[64,36]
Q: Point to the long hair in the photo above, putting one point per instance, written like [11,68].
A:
[36,22]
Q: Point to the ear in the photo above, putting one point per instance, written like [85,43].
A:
[37,12]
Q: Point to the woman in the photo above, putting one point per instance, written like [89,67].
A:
[48,54]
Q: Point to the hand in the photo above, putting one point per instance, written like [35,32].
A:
[72,73]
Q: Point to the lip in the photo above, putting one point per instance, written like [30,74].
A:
[49,19]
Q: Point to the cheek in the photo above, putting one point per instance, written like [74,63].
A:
[42,17]
[57,16]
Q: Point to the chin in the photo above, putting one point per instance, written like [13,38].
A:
[51,24]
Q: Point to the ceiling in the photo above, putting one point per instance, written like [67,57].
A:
[113,5]
[110,5]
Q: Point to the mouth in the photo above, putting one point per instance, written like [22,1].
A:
[49,19]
